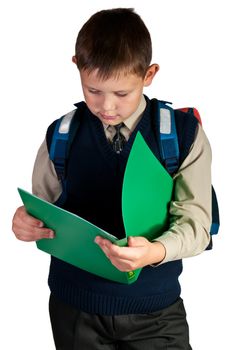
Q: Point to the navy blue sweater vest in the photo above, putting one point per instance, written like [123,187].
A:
[94,184]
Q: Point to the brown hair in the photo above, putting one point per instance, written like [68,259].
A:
[112,41]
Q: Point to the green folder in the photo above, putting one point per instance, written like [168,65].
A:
[146,194]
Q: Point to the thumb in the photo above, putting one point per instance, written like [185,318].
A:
[136,241]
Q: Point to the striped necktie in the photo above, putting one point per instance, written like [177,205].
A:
[119,139]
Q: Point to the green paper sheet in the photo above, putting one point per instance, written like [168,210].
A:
[74,240]
[146,194]
[147,190]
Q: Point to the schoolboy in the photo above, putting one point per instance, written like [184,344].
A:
[113,55]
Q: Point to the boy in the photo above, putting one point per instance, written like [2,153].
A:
[113,56]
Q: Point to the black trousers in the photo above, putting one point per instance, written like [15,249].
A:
[76,330]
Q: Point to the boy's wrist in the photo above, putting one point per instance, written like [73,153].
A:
[159,253]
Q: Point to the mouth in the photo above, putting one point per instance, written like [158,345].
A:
[108,117]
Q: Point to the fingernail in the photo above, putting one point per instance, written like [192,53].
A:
[40,224]
[96,240]
[51,234]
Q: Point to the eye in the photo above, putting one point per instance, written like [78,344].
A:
[121,94]
[95,92]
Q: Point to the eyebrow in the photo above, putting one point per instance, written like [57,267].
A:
[117,91]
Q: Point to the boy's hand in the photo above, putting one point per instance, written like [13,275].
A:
[139,253]
[27,228]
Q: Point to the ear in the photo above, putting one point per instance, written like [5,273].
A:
[151,72]
[74,59]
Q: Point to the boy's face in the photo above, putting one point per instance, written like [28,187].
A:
[115,99]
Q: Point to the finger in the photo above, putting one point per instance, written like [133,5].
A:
[123,264]
[29,219]
[108,247]
[137,241]
[123,258]
[122,253]
[34,234]
[22,217]
[104,244]
[112,250]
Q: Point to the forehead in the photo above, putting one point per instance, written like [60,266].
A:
[117,81]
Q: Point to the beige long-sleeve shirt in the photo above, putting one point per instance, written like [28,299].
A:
[190,209]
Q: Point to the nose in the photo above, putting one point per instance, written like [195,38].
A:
[108,104]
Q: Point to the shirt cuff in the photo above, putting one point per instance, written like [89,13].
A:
[171,246]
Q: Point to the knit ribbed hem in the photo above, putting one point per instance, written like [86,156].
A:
[90,302]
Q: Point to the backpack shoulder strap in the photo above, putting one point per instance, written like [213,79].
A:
[168,139]
[59,144]
[63,135]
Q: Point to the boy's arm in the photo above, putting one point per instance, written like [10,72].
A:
[46,186]
[45,183]
[190,210]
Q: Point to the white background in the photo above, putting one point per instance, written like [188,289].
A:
[192,44]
